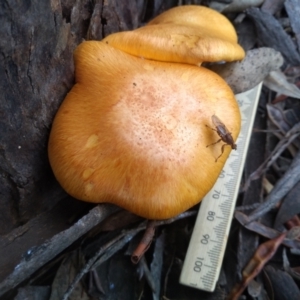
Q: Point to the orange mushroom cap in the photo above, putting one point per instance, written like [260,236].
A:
[132,132]
[185,34]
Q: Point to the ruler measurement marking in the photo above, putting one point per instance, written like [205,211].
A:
[209,237]
[207,266]
[220,226]
[226,214]
[213,261]
[209,275]
[224,210]
[208,278]
[214,256]
[207,281]
[225,205]
[220,229]
[212,270]
[214,250]
[206,284]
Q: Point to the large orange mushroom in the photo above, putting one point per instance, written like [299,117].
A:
[132,131]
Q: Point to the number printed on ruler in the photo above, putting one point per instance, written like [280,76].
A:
[204,257]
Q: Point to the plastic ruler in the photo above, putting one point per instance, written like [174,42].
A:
[206,250]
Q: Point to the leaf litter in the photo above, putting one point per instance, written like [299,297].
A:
[270,229]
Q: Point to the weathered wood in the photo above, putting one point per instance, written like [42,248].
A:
[36,72]
[42,254]
[21,242]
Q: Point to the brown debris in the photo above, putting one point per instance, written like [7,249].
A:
[292,223]
[262,255]
[144,243]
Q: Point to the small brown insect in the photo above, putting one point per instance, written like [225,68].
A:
[223,133]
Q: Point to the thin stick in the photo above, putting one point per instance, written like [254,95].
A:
[47,251]
[145,242]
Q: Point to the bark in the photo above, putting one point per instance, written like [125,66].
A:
[36,72]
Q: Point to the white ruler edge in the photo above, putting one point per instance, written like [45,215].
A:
[206,250]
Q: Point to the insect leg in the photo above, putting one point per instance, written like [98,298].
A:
[211,128]
[222,150]
[218,141]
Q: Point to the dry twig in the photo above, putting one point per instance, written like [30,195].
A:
[145,243]
[55,245]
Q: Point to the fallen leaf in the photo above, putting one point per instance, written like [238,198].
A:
[290,206]
[294,272]
[283,285]
[65,275]
[265,231]
[276,115]
[277,81]
[244,75]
